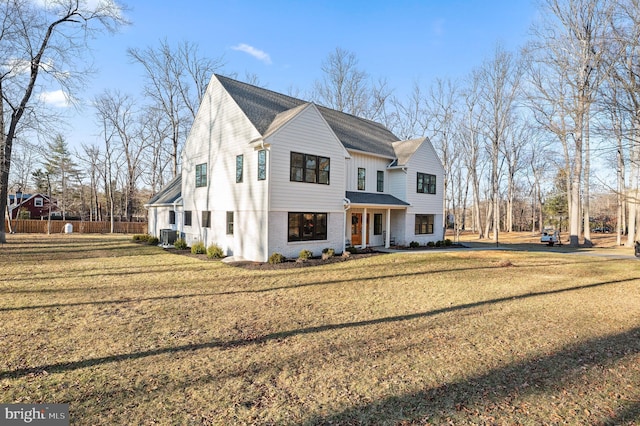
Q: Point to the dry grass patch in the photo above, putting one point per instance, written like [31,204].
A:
[130,334]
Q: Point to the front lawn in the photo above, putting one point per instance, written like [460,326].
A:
[131,334]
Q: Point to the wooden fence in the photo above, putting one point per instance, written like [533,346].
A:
[29,226]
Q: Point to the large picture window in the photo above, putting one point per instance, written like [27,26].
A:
[309,168]
[362,175]
[307,226]
[262,164]
[201,175]
[426,184]
[424,223]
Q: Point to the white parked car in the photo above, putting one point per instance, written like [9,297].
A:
[551,237]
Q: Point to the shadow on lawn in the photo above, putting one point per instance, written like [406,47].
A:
[230,344]
[479,399]
[287,287]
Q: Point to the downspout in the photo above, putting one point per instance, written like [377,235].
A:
[347,206]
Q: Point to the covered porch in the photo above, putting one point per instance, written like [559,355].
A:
[369,219]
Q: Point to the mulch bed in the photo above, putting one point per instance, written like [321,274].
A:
[288,264]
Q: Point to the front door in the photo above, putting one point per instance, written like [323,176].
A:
[356,229]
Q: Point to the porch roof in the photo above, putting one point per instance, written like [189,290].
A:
[373,199]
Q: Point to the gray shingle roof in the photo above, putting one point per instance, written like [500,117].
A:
[373,198]
[169,194]
[261,106]
[405,149]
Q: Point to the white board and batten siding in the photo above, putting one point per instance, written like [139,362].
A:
[220,132]
[424,160]
[306,133]
[372,164]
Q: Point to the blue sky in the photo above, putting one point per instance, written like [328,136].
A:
[285,42]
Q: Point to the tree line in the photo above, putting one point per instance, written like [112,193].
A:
[518,136]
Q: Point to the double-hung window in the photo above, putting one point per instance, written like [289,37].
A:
[201,175]
[362,174]
[229,223]
[239,168]
[187,218]
[206,219]
[380,181]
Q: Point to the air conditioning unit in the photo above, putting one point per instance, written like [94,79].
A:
[168,237]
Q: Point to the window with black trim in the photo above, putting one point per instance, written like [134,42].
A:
[361,178]
[172,217]
[309,168]
[239,168]
[377,224]
[229,223]
[187,218]
[424,223]
[307,226]
[201,175]
[262,164]
[206,219]
[380,181]
[426,184]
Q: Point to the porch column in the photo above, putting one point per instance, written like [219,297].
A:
[364,228]
[387,237]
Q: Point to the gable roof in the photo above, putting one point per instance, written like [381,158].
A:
[405,149]
[261,106]
[169,194]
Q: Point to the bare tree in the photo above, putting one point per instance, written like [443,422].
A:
[41,38]
[569,47]
[176,80]
[500,82]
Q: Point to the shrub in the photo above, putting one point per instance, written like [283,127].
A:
[180,244]
[141,238]
[214,251]
[328,252]
[305,254]
[414,244]
[153,241]
[431,244]
[352,250]
[198,248]
[448,242]
[438,243]
[276,258]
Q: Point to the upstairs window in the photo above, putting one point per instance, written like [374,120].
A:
[201,175]
[362,173]
[380,181]
[426,184]
[38,202]
[309,168]
[262,164]
[239,168]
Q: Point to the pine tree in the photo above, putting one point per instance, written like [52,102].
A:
[62,171]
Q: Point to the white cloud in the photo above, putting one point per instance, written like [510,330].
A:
[256,53]
[56,98]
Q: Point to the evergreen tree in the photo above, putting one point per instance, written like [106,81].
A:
[62,171]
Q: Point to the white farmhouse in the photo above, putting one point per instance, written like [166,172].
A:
[263,172]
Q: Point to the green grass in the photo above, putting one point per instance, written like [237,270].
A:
[131,334]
